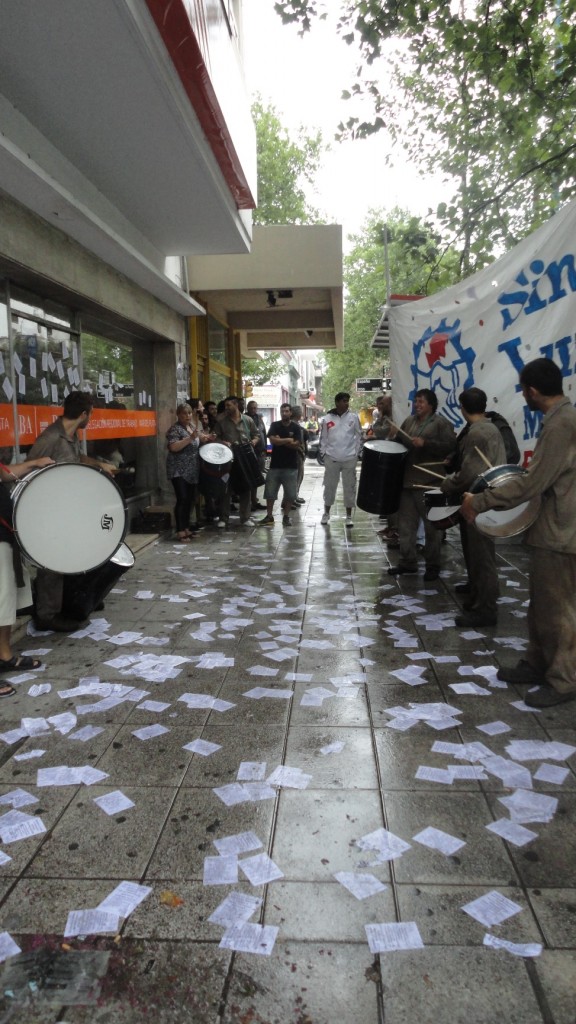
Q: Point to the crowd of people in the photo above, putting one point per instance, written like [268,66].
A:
[431,447]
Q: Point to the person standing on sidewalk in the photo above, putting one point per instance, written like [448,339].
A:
[550,658]
[260,449]
[286,438]
[340,443]
[234,428]
[302,451]
[478,438]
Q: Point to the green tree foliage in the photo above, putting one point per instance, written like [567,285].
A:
[266,370]
[417,267]
[285,167]
[484,90]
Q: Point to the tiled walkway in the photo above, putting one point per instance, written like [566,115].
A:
[304,609]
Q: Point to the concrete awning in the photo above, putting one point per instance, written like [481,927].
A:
[285,294]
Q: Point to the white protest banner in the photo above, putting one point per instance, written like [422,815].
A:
[482,331]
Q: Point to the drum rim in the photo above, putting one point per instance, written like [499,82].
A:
[20,487]
[374,441]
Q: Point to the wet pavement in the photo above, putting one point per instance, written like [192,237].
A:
[309,615]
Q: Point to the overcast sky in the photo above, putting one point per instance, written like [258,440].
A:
[304,78]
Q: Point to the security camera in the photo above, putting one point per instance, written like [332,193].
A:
[308,333]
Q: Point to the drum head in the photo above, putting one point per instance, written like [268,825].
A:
[436,515]
[508,522]
[69,518]
[216,454]
[390,447]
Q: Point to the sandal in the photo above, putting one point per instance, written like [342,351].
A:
[6,690]
[21,661]
[182,538]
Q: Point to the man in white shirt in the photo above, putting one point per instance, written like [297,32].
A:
[340,443]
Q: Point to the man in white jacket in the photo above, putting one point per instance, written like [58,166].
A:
[340,443]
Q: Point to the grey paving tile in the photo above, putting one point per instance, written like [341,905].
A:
[304,982]
[50,807]
[444,985]
[437,909]
[87,843]
[483,860]
[555,910]
[557,974]
[334,711]
[241,743]
[401,754]
[195,820]
[155,918]
[316,831]
[159,761]
[351,768]
[549,860]
[324,911]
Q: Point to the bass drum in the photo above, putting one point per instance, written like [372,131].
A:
[68,518]
[246,475]
[381,476]
[500,522]
[439,511]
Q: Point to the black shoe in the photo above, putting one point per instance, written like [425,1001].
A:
[402,570]
[60,624]
[258,507]
[521,674]
[476,619]
[431,574]
[547,697]
[300,501]
[99,607]
[286,521]
[463,588]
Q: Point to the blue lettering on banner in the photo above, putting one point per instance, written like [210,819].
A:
[553,280]
[443,364]
[532,423]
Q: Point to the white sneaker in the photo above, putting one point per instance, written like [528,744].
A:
[221,524]
[325,519]
[248,522]
[349,522]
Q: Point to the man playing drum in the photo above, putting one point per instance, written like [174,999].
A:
[60,442]
[430,440]
[550,659]
[15,590]
[478,436]
[233,428]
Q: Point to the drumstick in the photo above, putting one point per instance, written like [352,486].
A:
[398,429]
[482,456]
[430,471]
[424,487]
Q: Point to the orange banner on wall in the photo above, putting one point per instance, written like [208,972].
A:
[104,423]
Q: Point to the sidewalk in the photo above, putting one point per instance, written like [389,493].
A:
[309,615]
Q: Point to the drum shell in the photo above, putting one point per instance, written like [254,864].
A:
[246,475]
[215,460]
[381,477]
[68,518]
[435,501]
[504,523]
[83,592]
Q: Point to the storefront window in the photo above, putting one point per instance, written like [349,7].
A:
[219,386]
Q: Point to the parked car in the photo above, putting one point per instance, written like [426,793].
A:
[313,448]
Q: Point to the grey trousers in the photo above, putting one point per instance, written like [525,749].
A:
[552,617]
[332,472]
[480,557]
[412,509]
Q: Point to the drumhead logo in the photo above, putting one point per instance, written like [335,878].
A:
[444,365]
[107,522]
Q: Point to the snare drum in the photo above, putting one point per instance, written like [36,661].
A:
[508,522]
[68,518]
[439,511]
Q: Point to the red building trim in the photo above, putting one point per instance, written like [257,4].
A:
[173,23]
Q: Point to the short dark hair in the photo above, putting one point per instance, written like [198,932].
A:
[429,396]
[76,403]
[341,396]
[286,405]
[543,375]
[473,400]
